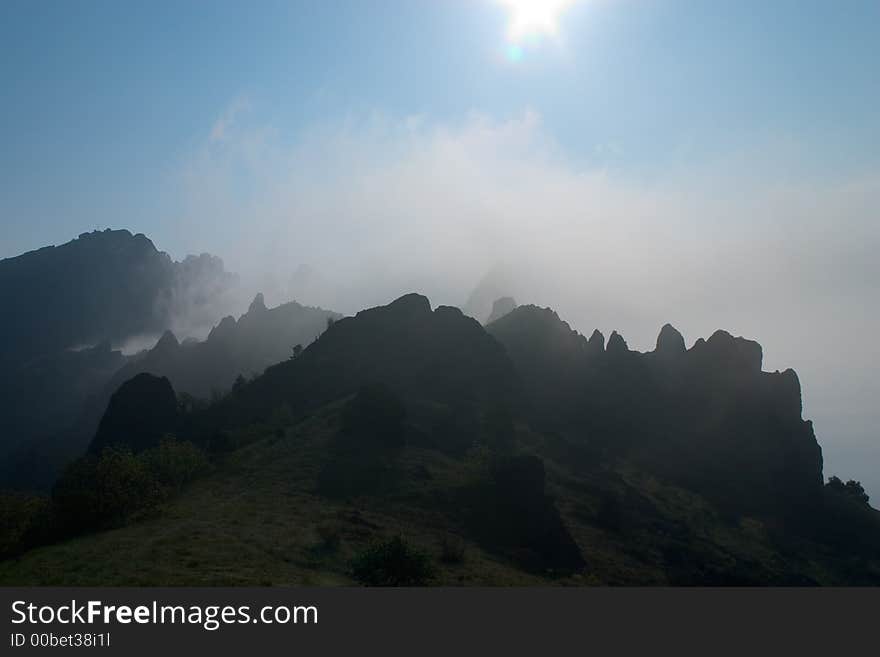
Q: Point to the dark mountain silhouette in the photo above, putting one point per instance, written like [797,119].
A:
[260,338]
[441,356]
[438,364]
[707,417]
[101,286]
[49,409]
[44,396]
[99,289]
[142,411]
[553,361]
[549,456]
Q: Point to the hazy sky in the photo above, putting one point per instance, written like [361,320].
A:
[632,162]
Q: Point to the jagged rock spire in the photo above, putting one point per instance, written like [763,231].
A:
[596,342]
[670,341]
[258,304]
[616,344]
[167,342]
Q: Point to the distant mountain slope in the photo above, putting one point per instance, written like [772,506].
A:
[45,396]
[260,338]
[106,285]
[80,384]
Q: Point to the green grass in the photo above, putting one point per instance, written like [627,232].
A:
[257,520]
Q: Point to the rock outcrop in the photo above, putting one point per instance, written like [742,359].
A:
[670,343]
[616,344]
[596,342]
[258,305]
[707,417]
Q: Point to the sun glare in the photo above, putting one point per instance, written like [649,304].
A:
[533,18]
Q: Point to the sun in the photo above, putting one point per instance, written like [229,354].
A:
[533,18]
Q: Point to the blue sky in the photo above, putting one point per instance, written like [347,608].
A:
[709,163]
[101,99]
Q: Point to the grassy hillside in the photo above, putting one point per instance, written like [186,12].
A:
[257,519]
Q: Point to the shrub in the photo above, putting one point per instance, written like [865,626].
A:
[452,549]
[392,563]
[102,491]
[175,463]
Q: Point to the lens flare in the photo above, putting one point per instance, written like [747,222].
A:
[514,52]
[530,18]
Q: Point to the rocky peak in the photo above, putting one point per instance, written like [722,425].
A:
[225,328]
[140,412]
[735,351]
[670,341]
[596,343]
[411,304]
[616,344]
[167,343]
[258,305]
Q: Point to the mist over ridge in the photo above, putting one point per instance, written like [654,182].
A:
[350,214]
[530,293]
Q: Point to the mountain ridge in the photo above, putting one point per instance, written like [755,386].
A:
[551,455]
